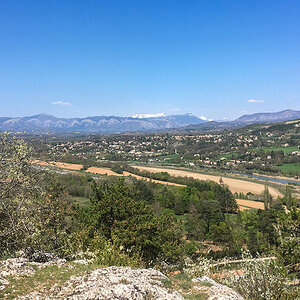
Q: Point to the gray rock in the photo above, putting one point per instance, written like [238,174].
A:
[113,283]
[14,267]
[22,267]
[81,261]
[219,291]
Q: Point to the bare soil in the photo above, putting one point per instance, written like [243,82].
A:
[102,171]
[235,185]
[249,203]
[75,167]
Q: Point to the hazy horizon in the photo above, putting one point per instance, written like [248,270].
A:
[86,58]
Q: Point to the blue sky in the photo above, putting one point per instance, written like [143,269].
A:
[83,58]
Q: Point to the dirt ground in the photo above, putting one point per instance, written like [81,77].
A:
[153,180]
[75,167]
[235,185]
[102,171]
[249,203]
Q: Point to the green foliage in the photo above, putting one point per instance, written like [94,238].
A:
[43,279]
[222,233]
[20,193]
[32,206]
[261,280]
[117,169]
[129,225]
[53,212]
[288,229]
[267,198]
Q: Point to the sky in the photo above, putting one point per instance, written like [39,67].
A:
[219,59]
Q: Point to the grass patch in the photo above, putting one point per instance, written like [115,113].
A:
[230,155]
[81,201]
[170,156]
[286,150]
[290,167]
[247,206]
[183,283]
[42,280]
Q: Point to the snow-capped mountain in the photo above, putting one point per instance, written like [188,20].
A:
[97,124]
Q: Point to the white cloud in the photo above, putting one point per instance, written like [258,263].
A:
[255,101]
[61,103]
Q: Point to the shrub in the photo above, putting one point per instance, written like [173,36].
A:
[200,267]
[262,280]
[130,225]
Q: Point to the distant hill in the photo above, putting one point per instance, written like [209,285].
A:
[43,123]
[98,124]
[258,118]
[284,115]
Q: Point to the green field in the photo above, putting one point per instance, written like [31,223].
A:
[290,167]
[229,155]
[286,150]
[171,156]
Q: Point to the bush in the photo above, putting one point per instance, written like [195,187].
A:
[128,225]
[262,280]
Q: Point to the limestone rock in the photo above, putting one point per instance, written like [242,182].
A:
[218,291]
[113,283]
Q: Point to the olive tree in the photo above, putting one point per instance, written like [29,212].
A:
[28,201]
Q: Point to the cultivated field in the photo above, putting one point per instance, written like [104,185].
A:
[74,167]
[152,180]
[249,203]
[102,171]
[235,185]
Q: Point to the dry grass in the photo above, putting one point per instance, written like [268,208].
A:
[235,185]
[102,171]
[242,208]
[249,203]
[74,167]
[152,180]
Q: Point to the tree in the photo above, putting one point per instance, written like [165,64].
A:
[31,211]
[288,199]
[222,233]
[252,244]
[288,230]
[267,198]
[20,189]
[53,212]
[195,225]
[129,224]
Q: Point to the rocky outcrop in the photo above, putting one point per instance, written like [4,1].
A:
[22,267]
[113,283]
[218,291]
[106,283]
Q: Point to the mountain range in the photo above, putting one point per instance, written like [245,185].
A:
[97,124]
[283,115]
[112,124]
